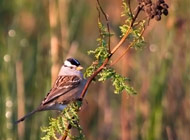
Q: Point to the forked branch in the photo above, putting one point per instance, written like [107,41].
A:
[106,61]
[132,30]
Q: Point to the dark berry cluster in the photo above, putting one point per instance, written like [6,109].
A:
[154,9]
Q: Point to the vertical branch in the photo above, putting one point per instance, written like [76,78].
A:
[20,97]
[53,19]
[139,8]
[129,5]
[121,42]
[99,19]
[107,24]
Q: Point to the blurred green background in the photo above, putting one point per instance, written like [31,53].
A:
[36,37]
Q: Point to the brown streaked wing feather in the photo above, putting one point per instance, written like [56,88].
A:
[62,85]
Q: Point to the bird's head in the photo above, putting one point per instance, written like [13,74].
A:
[73,64]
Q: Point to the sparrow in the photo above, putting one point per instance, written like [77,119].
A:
[67,87]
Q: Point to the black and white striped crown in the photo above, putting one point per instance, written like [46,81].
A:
[71,62]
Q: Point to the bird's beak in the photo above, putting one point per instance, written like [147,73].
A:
[79,68]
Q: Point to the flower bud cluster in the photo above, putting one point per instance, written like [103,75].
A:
[154,9]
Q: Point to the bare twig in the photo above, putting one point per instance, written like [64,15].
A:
[126,50]
[129,5]
[107,24]
[139,8]
[99,20]
[121,41]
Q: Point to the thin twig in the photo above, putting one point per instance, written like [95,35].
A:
[121,41]
[99,20]
[139,8]
[129,5]
[126,50]
[128,31]
[64,137]
[98,17]
[107,24]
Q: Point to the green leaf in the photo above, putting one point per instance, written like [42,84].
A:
[126,11]
[106,74]
[59,125]
[130,90]
[89,71]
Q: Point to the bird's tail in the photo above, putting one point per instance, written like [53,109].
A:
[26,116]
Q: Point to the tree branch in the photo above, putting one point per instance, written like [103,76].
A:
[93,76]
[107,24]
[112,52]
[109,51]
[126,50]
[139,8]
[129,5]
[121,41]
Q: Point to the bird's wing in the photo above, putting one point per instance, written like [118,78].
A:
[62,86]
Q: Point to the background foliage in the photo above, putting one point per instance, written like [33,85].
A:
[35,38]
